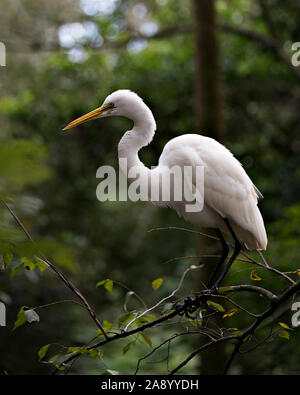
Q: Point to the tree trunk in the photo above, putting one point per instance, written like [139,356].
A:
[208,101]
[209,121]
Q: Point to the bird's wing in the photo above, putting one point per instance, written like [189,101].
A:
[227,188]
[230,192]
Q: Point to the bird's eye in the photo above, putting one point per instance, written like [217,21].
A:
[110,106]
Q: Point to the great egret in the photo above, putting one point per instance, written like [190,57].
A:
[230,197]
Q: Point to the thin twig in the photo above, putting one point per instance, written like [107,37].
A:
[130,290]
[246,255]
[281,299]
[166,298]
[58,302]
[202,348]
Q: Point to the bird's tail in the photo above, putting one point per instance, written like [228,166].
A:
[255,236]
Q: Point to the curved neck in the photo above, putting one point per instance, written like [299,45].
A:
[140,136]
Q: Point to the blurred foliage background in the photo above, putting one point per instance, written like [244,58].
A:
[63,59]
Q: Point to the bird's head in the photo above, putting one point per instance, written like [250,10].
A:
[122,102]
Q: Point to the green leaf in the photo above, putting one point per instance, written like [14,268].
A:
[42,351]
[157,283]
[42,266]
[144,320]
[285,326]
[15,270]
[150,317]
[128,346]
[108,284]
[284,335]
[99,283]
[7,254]
[141,321]
[216,306]
[75,350]
[125,318]
[254,276]
[82,350]
[28,263]
[247,338]
[60,367]
[94,353]
[196,323]
[237,333]
[21,318]
[147,339]
[230,312]
[63,255]
[222,290]
[106,326]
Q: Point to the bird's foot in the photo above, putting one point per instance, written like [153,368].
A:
[190,305]
[208,291]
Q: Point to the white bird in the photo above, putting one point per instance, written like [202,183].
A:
[230,197]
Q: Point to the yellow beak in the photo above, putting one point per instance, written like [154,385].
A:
[87,117]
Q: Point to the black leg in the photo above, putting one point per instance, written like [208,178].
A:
[225,251]
[191,305]
[237,249]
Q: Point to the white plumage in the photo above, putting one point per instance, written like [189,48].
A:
[228,190]
[230,198]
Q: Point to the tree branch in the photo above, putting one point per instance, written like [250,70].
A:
[202,348]
[275,302]
[57,271]
[253,288]
[285,295]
